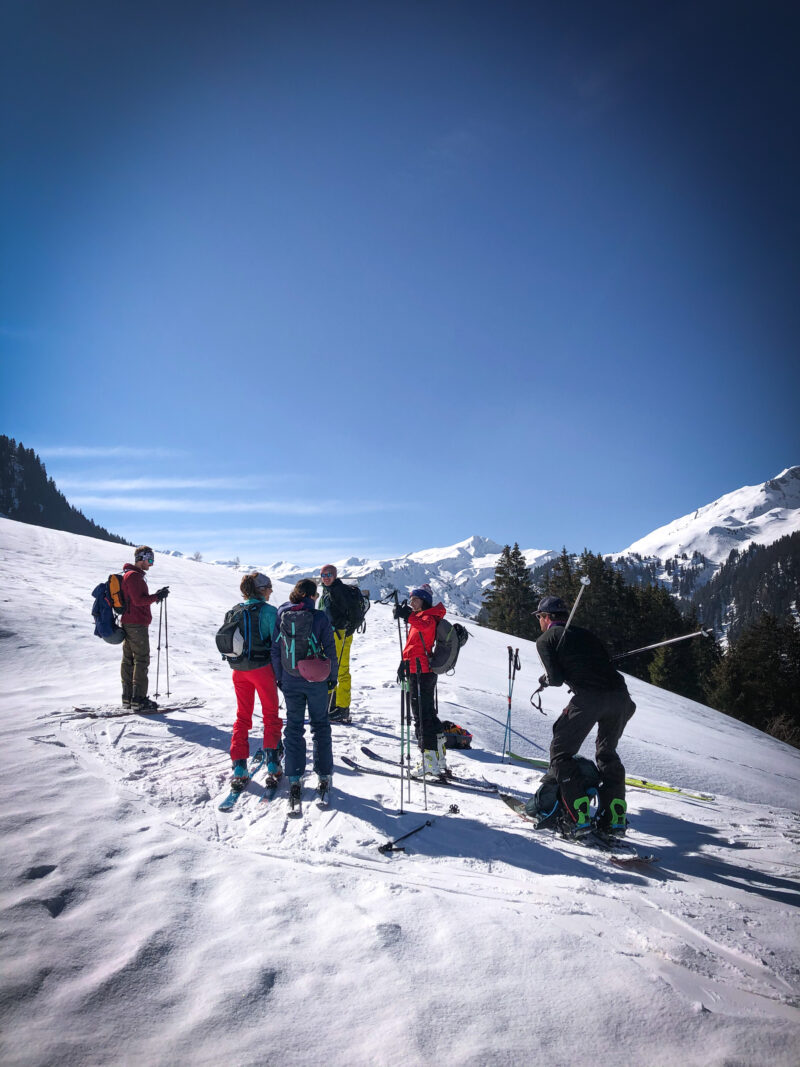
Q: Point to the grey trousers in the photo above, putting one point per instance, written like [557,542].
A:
[135,660]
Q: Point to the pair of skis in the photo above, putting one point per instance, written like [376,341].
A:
[636,783]
[468,784]
[112,711]
[271,785]
[619,851]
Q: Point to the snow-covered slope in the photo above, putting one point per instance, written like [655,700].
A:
[142,927]
[458,574]
[754,514]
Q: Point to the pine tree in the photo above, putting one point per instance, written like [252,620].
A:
[510,602]
[758,678]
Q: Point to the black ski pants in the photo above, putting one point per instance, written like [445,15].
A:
[423,707]
[611,710]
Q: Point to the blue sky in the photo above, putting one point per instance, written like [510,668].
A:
[312,280]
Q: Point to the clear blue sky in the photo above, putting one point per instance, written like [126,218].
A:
[362,278]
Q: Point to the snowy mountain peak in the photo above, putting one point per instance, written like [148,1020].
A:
[758,514]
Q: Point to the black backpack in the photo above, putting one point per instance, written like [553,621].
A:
[358,604]
[450,639]
[297,639]
[239,638]
[545,805]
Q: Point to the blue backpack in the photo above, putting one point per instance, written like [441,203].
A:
[105,623]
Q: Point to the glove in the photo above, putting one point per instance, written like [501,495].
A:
[162,593]
[402,671]
[543,682]
[332,683]
[402,611]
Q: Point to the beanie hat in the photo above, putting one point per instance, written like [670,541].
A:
[329,567]
[552,605]
[424,592]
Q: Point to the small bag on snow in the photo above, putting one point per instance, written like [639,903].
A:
[456,736]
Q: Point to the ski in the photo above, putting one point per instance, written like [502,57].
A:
[112,711]
[637,783]
[459,783]
[473,783]
[231,800]
[620,852]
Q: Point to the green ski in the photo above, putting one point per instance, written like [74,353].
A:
[639,783]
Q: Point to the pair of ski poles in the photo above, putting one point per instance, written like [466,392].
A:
[162,613]
[513,666]
[405,714]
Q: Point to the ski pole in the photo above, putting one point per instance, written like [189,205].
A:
[158,656]
[166,640]
[422,738]
[660,644]
[402,731]
[513,666]
[584,582]
[391,846]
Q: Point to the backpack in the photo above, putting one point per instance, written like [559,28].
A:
[358,604]
[105,625]
[450,639]
[239,638]
[298,642]
[116,593]
[545,805]
[456,736]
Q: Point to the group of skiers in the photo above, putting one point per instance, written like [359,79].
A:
[303,648]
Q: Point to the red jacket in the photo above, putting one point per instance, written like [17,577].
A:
[137,599]
[421,637]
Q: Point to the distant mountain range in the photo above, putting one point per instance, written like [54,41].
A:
[683,555]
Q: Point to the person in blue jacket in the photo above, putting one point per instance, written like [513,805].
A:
[300,615]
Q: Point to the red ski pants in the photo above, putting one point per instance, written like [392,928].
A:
[247,684]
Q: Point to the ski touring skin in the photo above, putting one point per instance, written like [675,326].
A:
[112,711]
[636,783]
[619,851]
[468,785]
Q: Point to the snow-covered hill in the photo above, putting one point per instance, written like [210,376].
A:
[142,927]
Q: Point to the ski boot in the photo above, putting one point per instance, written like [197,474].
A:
[441,754]
[612,821]
[274,757]
[241,776]
[295,794]
[323,787]
[127,699]
[428,766]
[139,703]
[340,715]
[576,820]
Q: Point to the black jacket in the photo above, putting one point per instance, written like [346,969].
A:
[333,601]
[581,661]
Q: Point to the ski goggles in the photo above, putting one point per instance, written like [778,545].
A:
[145,559]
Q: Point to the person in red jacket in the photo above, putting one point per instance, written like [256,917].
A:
[135,620]
[422,616]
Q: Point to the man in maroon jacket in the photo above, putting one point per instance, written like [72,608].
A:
[135,620]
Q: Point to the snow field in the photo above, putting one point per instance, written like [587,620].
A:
[141,926]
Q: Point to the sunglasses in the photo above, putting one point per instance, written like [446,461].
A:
[328,574]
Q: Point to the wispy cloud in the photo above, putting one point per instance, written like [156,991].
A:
[107,452]
[124,485]
[228,507]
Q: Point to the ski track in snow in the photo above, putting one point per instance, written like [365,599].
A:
[142,926]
